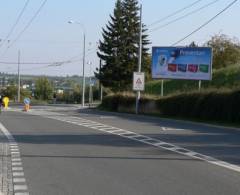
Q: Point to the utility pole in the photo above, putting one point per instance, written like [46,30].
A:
[83,62]
[139,59]
[19,78]
[90,84]
[83,87]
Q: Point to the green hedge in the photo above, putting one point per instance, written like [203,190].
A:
[114,102]
[211,105]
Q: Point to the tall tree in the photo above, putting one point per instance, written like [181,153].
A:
[226,51]
[110,49]
[132,26]
[119,47]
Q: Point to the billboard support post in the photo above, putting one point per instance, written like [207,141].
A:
[199,85]
[162,84]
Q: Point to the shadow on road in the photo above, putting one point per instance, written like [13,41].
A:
[93,139]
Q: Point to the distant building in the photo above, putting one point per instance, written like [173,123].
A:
[60,91]
[25,86]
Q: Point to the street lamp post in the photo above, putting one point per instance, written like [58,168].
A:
[19,79]
[83,62]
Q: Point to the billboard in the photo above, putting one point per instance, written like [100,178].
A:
[193,63]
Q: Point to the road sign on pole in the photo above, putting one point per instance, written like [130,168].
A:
[138,81]
[138,84]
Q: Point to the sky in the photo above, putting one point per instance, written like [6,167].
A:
[50,38]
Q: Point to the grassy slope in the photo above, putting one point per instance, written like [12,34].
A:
[228,78]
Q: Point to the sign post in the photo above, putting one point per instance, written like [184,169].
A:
[26,104]
[138,82]
[138,85]
[199,85]
[162,84]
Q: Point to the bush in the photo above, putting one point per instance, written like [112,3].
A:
[220,106]
[209,105]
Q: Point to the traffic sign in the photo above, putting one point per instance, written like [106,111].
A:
[26,101]
[138,81]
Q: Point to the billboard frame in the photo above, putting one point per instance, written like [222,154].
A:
[209,53]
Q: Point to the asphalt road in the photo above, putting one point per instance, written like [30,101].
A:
[62,156]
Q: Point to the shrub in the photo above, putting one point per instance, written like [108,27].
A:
[223,105]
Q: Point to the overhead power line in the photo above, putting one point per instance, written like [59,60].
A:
[55,63]
[2,62]
[46,64]
[16,23]
[175,13]
[28,24]
[184,16]
[206,23]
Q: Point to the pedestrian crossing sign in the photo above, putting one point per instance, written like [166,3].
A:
[138,81]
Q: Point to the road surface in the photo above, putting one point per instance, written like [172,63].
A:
[64,150]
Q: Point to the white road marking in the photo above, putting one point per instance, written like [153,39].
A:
[15,152]
[107,117]
[90,125]
[15,155]
[16,159]
[191,153]
[107,128]
[17,169]
[135,136]
[19,180]
[21,193]
[97,125]
[126,134]
[16,164]
[146,140]
[14,149]
[13,146]
[20,187]
[171,129]
[18,174]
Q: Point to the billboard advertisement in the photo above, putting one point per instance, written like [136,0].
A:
[193,63]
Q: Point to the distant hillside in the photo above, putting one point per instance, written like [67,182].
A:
[13,78]
[222,78]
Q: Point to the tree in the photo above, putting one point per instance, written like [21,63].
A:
[119,48]
[11,92]
[110,49]
[132,23]
[44,89]
[193,44]
[226,51]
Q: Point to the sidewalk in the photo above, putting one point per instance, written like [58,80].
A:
[6,184]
